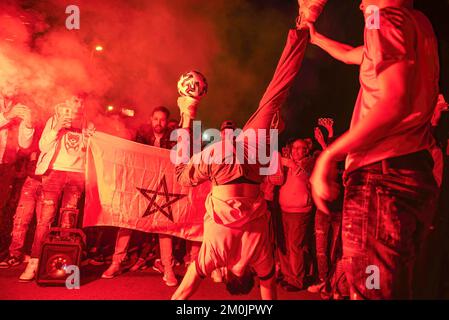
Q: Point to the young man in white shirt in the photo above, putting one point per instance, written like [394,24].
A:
[61,163]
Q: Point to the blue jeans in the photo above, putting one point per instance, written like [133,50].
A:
[7,173]
[53,184]
[388,209]
[30,200]
[327,234]
[294,259]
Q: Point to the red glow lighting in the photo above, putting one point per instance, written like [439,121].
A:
[128,112]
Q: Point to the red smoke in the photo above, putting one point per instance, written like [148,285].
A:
[147,46]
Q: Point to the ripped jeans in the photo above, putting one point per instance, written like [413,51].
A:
[30,200]
[54,182]
[389,209]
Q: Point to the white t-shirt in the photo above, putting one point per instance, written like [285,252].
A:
[70,153]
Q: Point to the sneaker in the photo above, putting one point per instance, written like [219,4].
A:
[170,278]
[97,260]
[113,271]
[158,266]
[291,288]
[31,270]
[216,276]
[141,262]
[316,288]
[10,262]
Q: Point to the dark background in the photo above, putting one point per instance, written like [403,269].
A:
[235,43]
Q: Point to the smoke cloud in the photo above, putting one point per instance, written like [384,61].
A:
[147,45]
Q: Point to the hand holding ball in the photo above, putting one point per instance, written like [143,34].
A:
[309,11]
[192,87]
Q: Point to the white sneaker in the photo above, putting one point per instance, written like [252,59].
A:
[31,270]
[113,271]
[170,278]
[316,288]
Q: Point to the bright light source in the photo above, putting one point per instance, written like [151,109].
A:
[128,112]
[99,48]
[205,136]
[110,108]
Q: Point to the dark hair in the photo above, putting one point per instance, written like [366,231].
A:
[161,109]
[240,285]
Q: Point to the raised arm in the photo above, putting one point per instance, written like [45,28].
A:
[340,51]
[190,170]
[26,130]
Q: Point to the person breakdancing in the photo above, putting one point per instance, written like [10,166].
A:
[236,224]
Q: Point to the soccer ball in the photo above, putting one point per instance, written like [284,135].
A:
[192,84]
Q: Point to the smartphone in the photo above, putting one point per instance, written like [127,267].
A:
[64,111]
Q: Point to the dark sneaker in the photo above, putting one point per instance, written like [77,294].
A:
[97,260]
[291,288]
[11,261]
[138,265]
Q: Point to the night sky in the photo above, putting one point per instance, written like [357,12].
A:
[236,43]
[327,87]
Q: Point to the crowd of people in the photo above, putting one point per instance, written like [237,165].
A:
[314,237]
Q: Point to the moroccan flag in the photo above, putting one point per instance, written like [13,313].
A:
[133,186]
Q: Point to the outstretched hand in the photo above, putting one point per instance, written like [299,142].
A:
[320,138]
[328,123]
[313,33]
[309,11]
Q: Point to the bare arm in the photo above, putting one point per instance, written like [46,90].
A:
[392,107]
[189,284]
[340,51]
